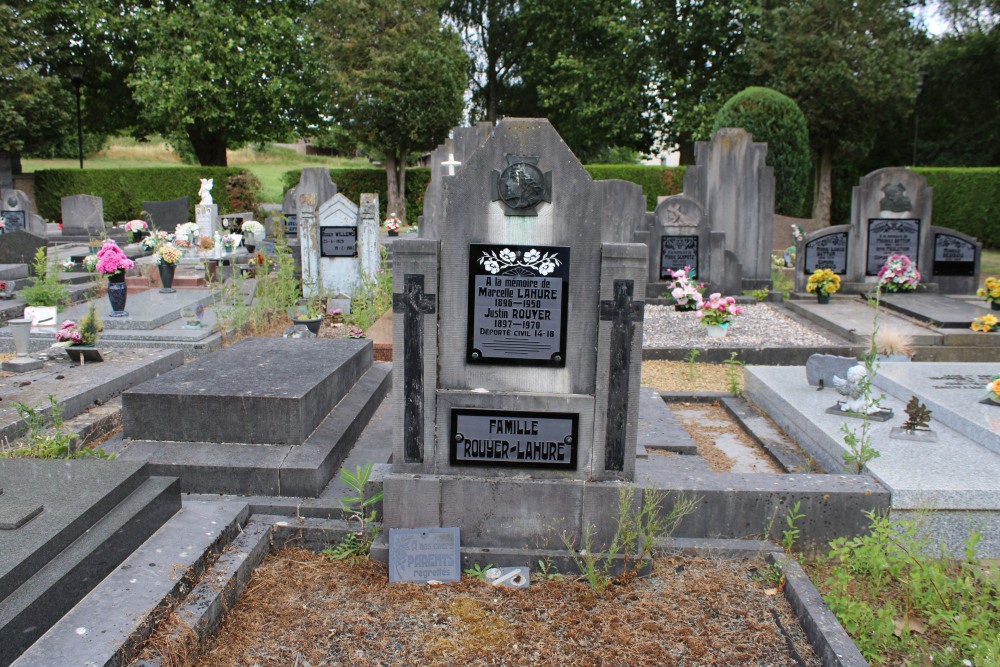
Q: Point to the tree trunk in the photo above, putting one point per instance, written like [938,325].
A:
[823,190]
[685,145]
[395,176]
[209,147]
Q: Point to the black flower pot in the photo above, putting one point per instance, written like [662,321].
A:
[117,294]
[311,323]
[167,277]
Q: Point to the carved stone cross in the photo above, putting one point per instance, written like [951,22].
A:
[623,313]
[413,304]
[451,163]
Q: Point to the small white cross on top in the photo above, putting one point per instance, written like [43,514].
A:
[451,164]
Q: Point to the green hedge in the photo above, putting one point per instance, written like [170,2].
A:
[124,190]
[967,200]
[655,182]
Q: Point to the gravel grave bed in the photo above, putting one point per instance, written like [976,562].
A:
[761,325]
[302,609]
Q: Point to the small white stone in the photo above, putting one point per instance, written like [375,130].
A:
[81,631]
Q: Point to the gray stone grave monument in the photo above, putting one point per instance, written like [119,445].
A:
[17,214]
[517,338]
[166,215]
[891,213]
[736,188]
[83,215]
[206,211]
[348,245]
[446,160]
[289,209]
[314,189]
[678,235]
[19,247]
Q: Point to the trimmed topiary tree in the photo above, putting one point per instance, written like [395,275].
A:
[776,120]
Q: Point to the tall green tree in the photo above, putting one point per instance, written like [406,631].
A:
[488,29]
[396,78]
[850,66]
[224,72]
[698,52]
[586,68]
[35,107]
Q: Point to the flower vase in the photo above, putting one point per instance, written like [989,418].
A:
[822,298]
[392,233]
[117,294]
[167,277]
[716,330]
[994,305]
[251,247]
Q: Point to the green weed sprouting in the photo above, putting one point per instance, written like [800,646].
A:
[734,374]
[372,296]
[859,448]
[692,361]
[43,437]
[360,508]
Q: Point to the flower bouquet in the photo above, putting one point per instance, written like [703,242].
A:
[188,231]
[686,295]
[167,254]
[155,239]
[823,283]
[85,335]
[898,274]
[111,259]
[136,229]
[392,224]
[718,310]
[254,232]
[984,324]
[90,263]
[67,265]
[990,292]
[993,389]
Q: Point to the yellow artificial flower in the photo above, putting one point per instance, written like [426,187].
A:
[823,281]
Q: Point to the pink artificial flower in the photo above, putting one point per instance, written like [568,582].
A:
[68,324]
[76,337]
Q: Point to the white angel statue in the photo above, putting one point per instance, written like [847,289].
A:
[852,388]
[206,192]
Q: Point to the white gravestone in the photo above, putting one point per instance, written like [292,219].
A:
[339,265]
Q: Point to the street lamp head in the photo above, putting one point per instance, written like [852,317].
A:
[76,71]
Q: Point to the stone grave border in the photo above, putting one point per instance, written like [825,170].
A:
[219,568]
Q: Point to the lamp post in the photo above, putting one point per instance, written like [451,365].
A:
[76,74]
[916,112]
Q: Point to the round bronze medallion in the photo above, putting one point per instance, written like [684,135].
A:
[522,185]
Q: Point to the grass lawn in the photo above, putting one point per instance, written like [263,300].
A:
[990,264]
[269,165]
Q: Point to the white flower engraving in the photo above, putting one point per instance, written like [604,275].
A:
[532,256]
[508,256]
[545,268]
[491,265]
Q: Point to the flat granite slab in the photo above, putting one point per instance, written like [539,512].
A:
[954,473]
[852,318]
[953,392]
[147,310]
[257,391]
[941,311]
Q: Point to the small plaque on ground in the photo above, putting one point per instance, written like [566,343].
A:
[514,438]
[518,304]
[677,252]
[338,241]
[953,256]
[424,554]
[827,252]
[891,236]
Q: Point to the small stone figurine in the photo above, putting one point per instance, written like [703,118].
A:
[852,388]
[206,192]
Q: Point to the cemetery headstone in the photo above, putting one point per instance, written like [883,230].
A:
[166,215]
[83,215]
[313,190]
[891,214]
[290,209]
[6,171]
[736,189]
[955,266]
[16,213]
[516,342]
[678,236]
[369,238]
[446,161]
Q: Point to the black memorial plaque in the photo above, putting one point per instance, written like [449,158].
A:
[12,221]
[518,304]
[676,252]
[292,223]
[338,241]
[514,438]
[891,236]
[954,256]
[827,252]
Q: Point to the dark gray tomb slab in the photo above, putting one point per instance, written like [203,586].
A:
[17,213]
[257,391]
[19,247]
[166,215]
[940,311]
[956,261]
[64,525]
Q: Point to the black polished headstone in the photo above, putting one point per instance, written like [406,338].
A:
[166,215]
[953,256]
[518,304]
[891,236]
[827,252]
[677,252]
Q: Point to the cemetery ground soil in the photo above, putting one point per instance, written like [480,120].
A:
[300,608]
